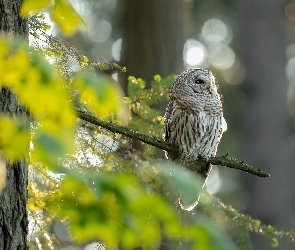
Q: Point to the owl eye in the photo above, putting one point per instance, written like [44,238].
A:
[199,82]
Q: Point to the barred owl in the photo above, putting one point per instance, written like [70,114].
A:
[194,121]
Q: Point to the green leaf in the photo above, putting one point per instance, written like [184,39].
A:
[114,208]
[274,242]
[14,137]
[49,146]
[66,17]
[270,228]
[157,78]
[99,93]
[33,5]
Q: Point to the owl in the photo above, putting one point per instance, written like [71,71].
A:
[194,122]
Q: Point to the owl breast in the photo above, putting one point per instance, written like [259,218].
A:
[194,132]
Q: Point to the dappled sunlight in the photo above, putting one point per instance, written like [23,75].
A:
[290,11]
[194,53]
[213,49]
[216,31]
[221,57]
[100,30]
[236,74]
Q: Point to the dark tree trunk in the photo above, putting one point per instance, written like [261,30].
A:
[13,198]
[267,125]
[153,37]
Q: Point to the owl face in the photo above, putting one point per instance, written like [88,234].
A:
[197,81]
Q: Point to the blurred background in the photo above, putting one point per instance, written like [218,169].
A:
[249,45]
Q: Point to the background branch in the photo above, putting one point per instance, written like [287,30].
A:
[156,142]
[251,224]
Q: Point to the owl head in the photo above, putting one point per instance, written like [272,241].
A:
[196,81]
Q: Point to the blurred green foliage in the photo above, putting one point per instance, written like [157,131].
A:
[141,100]
[61,11]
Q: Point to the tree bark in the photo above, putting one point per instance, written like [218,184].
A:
[267,125]
[13,198]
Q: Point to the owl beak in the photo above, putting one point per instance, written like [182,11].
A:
[210,90]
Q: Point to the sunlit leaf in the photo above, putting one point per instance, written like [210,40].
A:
[112,207]
[36,206]
[99,93]
[257,223]
[33,5]
[14,137]
[270,228]
[274,242]
[157,78]
[50,144]
[66,17]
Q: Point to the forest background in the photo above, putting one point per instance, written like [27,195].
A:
[250,48]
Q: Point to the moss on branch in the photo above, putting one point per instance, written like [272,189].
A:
[251,224]
[156,142]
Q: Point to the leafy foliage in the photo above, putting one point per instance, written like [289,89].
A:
[62,12]
[140,100]
[64,58]
[120,210]
[40,89]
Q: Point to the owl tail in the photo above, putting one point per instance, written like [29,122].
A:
[188,206]
[189,198]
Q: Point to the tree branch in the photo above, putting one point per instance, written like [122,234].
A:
[215,160]
[252,225]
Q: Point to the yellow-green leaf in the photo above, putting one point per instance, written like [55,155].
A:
[66,17]
[99,93]
[33,5]
[14,138]
[274,242]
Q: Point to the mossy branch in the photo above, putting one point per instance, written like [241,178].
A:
[156,142]
[255,226]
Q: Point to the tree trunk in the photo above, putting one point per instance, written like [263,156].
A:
[267,125]
[153,37]
[13,198]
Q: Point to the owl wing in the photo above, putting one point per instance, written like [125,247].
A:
[180,128]
[167,125]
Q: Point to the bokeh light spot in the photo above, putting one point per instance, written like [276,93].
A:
[221,57]
[116,49]
[290,69]
[101,30]
[290,11]
[236,74]
[214,31]
[214,182]
[194,53]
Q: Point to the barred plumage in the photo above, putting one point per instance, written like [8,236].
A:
[194,120]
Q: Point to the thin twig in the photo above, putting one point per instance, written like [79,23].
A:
[156,142]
